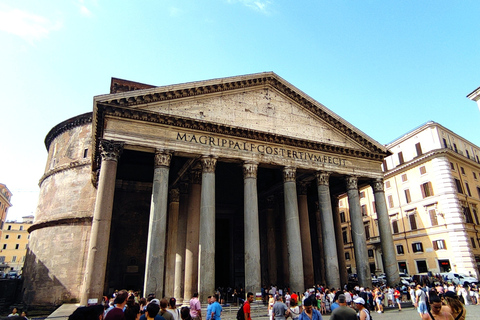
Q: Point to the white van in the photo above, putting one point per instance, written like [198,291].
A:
[458,278]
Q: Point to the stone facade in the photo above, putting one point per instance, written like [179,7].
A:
[249,158]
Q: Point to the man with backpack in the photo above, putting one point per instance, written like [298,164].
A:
[246,307]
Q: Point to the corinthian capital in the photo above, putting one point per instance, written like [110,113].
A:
[323,178]
[352,183]
[174,195]
[250,169]
[289,174]
[377,185]
[162,158]
[208,164]
[111,150]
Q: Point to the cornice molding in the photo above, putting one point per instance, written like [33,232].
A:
[66,125]
[59,222]
[68,166]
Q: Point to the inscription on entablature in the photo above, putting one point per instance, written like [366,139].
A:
[259,148]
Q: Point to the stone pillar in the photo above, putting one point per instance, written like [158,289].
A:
[342,266]
[172,227]
[253,281]
[309,279]
[193,228]
[332,276]
[102,217]
[157,227]
[292,225]
[181,243]
[358,234]
[206,257]
[271,242]
[386,239]
[321,253]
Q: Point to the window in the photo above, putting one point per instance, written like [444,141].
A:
[19,236]
[478,191]
[344,235]
[427,190]
[362,194]
[4,246]
[390,201]
[474,175]
[445,143]
[367,231]
[468,215]
[370,253]
[404,177]
[347,255]
[395,226]
[385,168]
[21,228]
[400,158]
[417,247]
[400,249]
[422,266]
[459,186]
[85,153]
[342,217]
[17,246]
[452,166]
[474,245]
[413,222]
[475,215]
[7,236]
[455,148]
[468,189]
[462,170]
[2,259]
[374,208]
[468,154]
[439,245]
[423,170]
[433,217]
[14,258]
[407,196]
[364,210]
[387,184]
[9,227]
[418,148]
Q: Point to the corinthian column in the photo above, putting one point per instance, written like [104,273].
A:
[332,276]
[181,243]
[206,267]
[171,242]
[157,227]
[271,253]
[386,239]
[102,218]
[358,234]
[305,234]
[292,225]
[253,272]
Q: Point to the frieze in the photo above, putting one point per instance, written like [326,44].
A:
[259,148]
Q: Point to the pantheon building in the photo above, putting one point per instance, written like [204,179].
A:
[189,187]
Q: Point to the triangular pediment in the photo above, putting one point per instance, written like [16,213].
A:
[261,102]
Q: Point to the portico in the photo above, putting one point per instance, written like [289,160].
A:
[247,155]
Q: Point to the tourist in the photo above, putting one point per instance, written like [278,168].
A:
[397,295]
[309,313]
[172,308]
[294,309]
[246,306]
[363,313]
[280,310]
[216,309]
[14,312]
[421,301]
[342,312]
[454,306]
[436,312]
[185,313]
[94,312]
[152,311]
[195,307]
[163,310]
[120,301]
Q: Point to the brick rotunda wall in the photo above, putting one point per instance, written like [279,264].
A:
[57,253]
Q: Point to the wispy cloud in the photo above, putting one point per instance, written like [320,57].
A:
[28,26]
[84,11]
[262,6]
[174,11]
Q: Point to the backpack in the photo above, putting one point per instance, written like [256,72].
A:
[240,313]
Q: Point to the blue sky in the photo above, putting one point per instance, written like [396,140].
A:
[384,66]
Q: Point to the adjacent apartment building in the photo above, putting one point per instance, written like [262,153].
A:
[432,190]
[14,243]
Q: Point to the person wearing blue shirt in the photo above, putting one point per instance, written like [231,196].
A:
[215,308]
[309,313]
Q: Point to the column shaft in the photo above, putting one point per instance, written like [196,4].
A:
[272,240]
[342,266]
[181,243]
[251,229]
[358,234]
[157,227]
[172,231]
[292,225]
[101,223]
[321,253]
[309,279]
[332,276]
[206,267]
[193,230]
[386,239]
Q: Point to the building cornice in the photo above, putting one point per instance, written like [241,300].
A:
[474,95]
[67,125]
[68,166]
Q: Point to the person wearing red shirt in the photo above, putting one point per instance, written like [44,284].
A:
[246,306]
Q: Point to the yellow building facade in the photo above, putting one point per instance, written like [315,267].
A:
[432,190]
[14,243]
